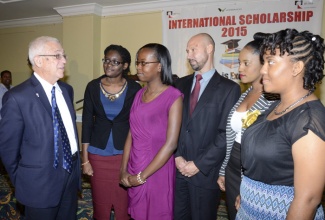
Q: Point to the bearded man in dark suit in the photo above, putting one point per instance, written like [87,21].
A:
[202,141]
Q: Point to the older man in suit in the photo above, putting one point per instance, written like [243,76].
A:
[208,98]
[38,144]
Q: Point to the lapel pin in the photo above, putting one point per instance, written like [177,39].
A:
[37,95]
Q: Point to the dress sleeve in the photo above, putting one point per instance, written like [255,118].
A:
[173,95]
[312,117]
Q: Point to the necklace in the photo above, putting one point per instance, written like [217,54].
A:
[290,106]
[255,91]
[154,94]
[110,96]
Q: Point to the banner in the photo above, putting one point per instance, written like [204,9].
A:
[232,25]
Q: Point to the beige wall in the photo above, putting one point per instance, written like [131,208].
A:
[81,41]
[84,39]
[14,48]
[132,31]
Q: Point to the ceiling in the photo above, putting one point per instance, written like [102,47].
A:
[18,13]
[24,9]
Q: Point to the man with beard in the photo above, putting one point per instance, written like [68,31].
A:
[5,84]
[208,98]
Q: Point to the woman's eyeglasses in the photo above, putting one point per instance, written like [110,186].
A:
[143,63]
[112,62]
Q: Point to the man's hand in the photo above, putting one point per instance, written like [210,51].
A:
[180,162]
[189,169]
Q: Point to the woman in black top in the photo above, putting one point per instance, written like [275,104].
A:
[105,125]
[283,150]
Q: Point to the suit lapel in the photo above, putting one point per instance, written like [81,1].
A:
[187,95]
[40,93]
[67,100]
[208,91]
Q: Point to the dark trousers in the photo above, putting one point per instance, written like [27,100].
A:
[67,207]
[195,203]
[233,179]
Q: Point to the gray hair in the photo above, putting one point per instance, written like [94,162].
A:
[38,46]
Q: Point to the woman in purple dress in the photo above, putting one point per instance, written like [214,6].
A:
[148,166]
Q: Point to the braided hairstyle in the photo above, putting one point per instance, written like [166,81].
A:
[300,46]
[124,53]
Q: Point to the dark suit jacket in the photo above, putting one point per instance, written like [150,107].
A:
[26,144]
[203,136]
[96,130]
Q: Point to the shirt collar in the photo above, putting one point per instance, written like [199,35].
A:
[2,85]
[46,85]
[206,75]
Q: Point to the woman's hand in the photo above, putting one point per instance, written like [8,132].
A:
[87,169]
[237,203]
[221,183]
[133,180]
[124,179]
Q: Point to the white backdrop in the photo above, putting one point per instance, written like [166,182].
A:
[232,25]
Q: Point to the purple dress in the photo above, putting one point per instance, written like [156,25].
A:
[148,125]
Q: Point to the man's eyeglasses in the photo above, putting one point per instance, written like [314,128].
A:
[143,63]
[112,62]
[57,56]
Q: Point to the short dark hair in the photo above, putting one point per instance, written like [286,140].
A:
[5,71]
[163,56]
[124,53]
[301,46]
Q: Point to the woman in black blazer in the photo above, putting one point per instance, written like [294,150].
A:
[105,125]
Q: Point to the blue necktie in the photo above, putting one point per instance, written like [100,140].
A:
[60,132]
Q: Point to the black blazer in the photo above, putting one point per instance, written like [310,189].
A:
[203,136]
[96,127]
[26,143]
